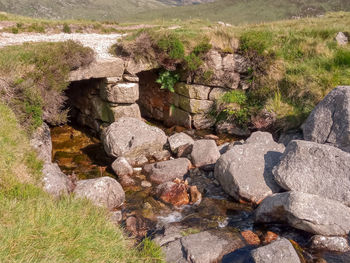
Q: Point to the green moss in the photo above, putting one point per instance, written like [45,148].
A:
[172,45]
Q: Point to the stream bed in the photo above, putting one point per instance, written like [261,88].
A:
[81,155]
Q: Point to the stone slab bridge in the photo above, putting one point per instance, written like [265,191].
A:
[113,87]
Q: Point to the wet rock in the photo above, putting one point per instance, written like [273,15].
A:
[195,195]
[204,152]
[287,137]
[279,251]
[307,212]
[335,244]
[137,226]
[251,238]
[104,191]
[121,167]
[120,92]
[179,139]
[129,137]
[316,169]
[55,182]
[329,122]
[42,144]
[168,170]
[342,39]
[223,148]
[269,237]
[173,193]
[126,181]
[225,127]
[208,246]
[245,171]
[146,184]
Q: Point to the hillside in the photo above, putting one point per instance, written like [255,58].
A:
[246,11]
[87,9]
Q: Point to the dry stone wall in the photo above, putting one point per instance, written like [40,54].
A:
[133,90]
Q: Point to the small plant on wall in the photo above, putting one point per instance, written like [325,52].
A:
[168,79]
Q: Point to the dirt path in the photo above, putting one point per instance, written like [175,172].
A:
[100,43]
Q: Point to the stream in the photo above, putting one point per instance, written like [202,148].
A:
[79,153]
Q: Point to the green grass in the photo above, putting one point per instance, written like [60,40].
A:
[243,12]
[37,228]
[36,75]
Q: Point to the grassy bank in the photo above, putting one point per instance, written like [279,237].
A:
[36,228]
[293,64]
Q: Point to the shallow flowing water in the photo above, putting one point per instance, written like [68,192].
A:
[82,155]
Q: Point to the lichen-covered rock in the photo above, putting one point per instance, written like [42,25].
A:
[122,167]
[198,92]
[204,152]
[120,92]
[307,212]
[335,244]
[119,111]
[217,93]
[168,170]
[104,191]
[329,122]
[245,171]
[218,70]
[203,121]
[55,182]
[316,169]
[278,251]
[132,138]
[42,144]
[194,105]
[179,139]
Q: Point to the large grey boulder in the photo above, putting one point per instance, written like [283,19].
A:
[278,251]
[203,247]
[132,138]
[245,171]
[168,170]
[179,139]
[316,169]
[207,247]
[329,122]
[336,244]
[42,144]
[55,182]
[204,152]
[307,212]
[104,191]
